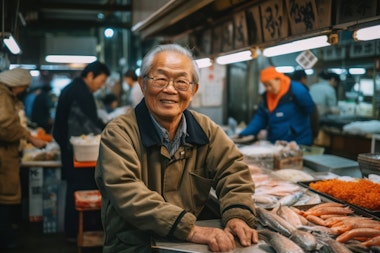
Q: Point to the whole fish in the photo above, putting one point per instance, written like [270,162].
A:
[374,241]
[288,214]
[357,233]
[304,239]
[265,200]
[279,243]
[291,199]
[275,222]
[332,246]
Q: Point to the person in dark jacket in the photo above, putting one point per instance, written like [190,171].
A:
[42,105]
[76,115]
[284,110]
[301,76]
[158,162]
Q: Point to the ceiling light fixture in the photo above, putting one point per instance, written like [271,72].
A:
[203,63]
[70,58]
[356,71]
[285,69]
[368,33]
[235,57]
[297,46]
[23,66]
[11,43]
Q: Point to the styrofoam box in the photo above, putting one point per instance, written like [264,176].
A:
[86,152]
[86,147]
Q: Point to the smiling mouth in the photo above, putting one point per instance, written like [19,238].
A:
[168,101]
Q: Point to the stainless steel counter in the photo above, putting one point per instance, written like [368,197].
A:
[161,245]
[43,164]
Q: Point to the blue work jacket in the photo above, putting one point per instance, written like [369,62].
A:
[290,121]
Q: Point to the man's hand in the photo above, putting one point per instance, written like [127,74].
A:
[240,229]
[38,143]
[217,239]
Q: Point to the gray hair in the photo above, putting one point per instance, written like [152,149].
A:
[146,65]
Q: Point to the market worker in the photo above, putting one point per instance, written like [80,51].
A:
[134,94]
[12,130]
[324,92]
[158,162]
[76,115]
[301,76]
[284,110]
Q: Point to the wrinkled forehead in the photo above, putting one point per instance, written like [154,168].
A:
[171,62]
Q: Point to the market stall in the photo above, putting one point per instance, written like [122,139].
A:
[295,209]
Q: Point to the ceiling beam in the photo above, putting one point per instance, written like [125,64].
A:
[45,6]
[168,15]
[57,24]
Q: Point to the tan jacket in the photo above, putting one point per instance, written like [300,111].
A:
[145,191]
[11,132]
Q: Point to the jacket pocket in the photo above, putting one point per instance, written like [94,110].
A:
[200,190]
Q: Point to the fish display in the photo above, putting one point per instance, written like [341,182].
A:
[271,191]
[304,239]
[345,227]
[323,228]
[279,243]
[287,210]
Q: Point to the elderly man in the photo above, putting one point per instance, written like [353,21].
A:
[158,162]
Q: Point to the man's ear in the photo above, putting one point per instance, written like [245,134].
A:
[140,80]
[195,88]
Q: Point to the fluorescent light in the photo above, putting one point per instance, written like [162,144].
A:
[285,69]
[338,71]
[204,62]
[309,72]
[70,58]
[35,72]
[356,71]
[61,67]
[23,66]
[297,46]
[368,33]
[12,45]
[236,57]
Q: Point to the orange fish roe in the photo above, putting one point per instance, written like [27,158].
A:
[363,192]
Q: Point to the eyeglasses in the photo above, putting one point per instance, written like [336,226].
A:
[160,82]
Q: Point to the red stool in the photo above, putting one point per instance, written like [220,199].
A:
[88,200]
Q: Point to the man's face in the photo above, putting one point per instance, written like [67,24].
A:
[167,104]
[97,82]
[273,86]
[18,90]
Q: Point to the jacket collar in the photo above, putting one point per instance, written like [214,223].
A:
[195,134]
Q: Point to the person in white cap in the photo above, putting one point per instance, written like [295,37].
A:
[12,131]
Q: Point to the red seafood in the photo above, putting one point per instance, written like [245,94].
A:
[330,210]
[374,241]
[358,233]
